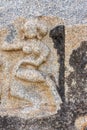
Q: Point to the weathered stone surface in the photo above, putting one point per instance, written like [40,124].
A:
[53,92]
[76,72]
[75,63]
[81,123]
[30,71]
[72,11]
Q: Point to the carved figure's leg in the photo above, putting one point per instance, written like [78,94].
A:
[30,75]
[18,90]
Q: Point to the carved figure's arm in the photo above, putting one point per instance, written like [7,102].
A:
[41,51]
[44,52]
[17,45]
[33,61]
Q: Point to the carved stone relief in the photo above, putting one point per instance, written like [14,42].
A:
[30,62]
[43,74]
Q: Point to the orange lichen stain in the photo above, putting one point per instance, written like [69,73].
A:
[15,102]
[84,126]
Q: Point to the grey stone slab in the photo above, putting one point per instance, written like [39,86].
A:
[73,11]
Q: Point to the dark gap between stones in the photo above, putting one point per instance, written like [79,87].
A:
[58,36]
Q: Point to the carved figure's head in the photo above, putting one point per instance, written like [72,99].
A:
[35,28]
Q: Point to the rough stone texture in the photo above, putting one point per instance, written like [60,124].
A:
[30,69]
[72,58]
[73,11]
[81,123]
[75,72]
[75,62]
